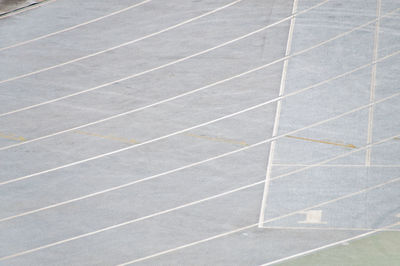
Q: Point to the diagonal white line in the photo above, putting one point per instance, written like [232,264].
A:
[194,127]
[120,45]
[221,156]
[254,225]
[76,26]
[191,204]
[332,244]
[277,115]
[373,84]
[209,86]
[131,221]
[199,201]
[155,68]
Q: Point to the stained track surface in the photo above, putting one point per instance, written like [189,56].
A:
[196,132]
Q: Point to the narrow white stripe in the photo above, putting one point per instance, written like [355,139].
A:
[277,117]
[149,70]
[74,27]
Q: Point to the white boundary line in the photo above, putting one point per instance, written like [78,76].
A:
[191,204]
[74,27]
[217,157]
[164,65]
[255,225]
[131,221]
[331,245]
[318,164]
[339,165]
[191,128]
[373,84]
[211,85]
[327,228]
[278,113]
[122,45]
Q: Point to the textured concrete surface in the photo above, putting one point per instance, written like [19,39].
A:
[140,132]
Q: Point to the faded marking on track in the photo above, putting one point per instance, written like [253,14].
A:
[118,139]
[11,137]
[218,139]
[324,142]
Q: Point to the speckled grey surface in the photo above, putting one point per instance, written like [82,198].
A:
[156,183]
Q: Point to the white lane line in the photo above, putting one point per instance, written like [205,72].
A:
[373,84]
[191,128]
[255,225]
[23,9]
[161,66]
[74,27]
[318,164]
[327,228]
[339,165]
[215,158]
[169,210]
[132,221]
[211,85]
[277,114]
[331,245]
[121,45]
[191,204]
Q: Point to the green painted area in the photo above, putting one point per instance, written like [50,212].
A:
[379,249]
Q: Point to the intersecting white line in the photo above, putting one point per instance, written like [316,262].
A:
[212,85]
[255,225]
[197,202]
[240,229]
[277,114]
[74,27]
[161,66]
[331,245]
[133,221]
[371,110]
[221,156]
[334,158]
[194,127]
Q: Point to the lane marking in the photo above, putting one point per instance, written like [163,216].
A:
[331,245]
[191,204]
[200,89]
[119,139]
[373,84]
[121,45]
[73,27]
[11,137]
[324,142]
[217,139]
[339,165]
[277,115]
[327,228]
[202,162]
[198,126]
[164,65]
[255,225]
[334,158]
[313,217]
[132,221]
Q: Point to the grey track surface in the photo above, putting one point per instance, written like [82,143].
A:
[137,205]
